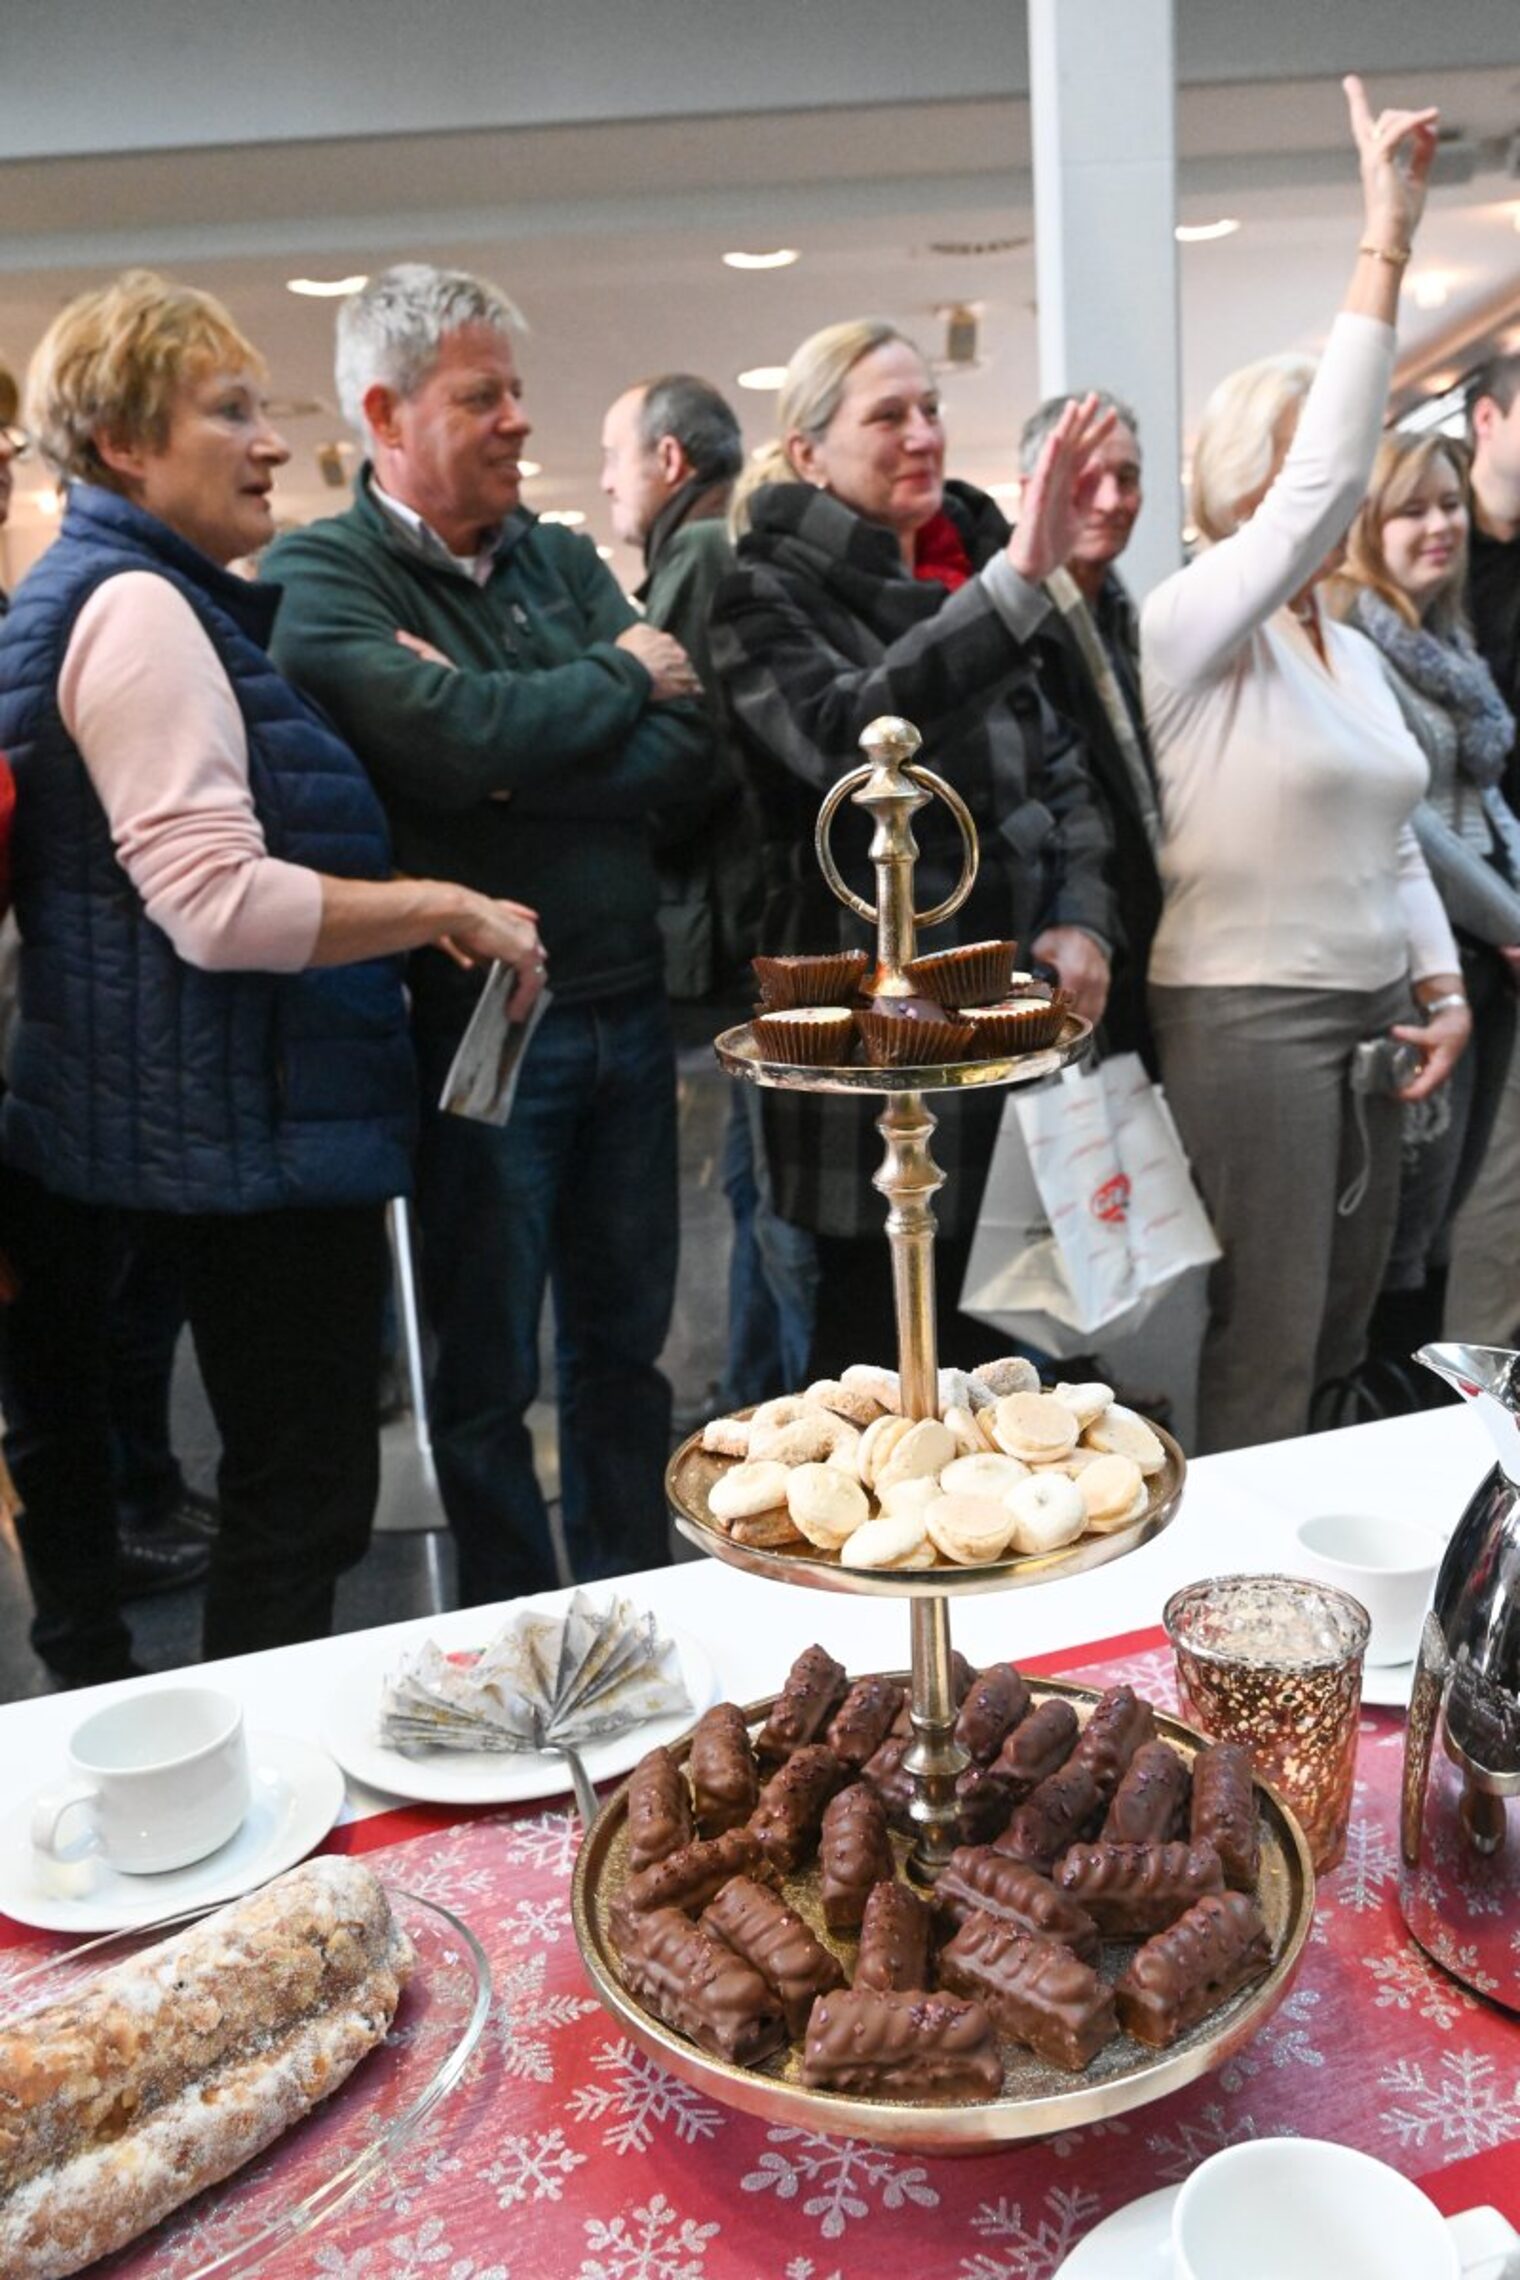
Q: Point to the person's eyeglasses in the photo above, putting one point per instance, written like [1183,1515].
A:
[16,439]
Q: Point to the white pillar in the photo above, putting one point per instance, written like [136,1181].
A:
[1102,79]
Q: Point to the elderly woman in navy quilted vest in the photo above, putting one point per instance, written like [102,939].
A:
[212,1035]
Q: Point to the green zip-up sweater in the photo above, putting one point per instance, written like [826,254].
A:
[530,769]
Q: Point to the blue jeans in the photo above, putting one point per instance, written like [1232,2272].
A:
[577,1192]
[771,1274]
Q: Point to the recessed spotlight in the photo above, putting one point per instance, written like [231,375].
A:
[570,516]
[768,376]
[530,467]
[782,258]
[1203,233]
[326,288]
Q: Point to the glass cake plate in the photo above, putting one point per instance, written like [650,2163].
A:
[317,2167]
[1037,2099]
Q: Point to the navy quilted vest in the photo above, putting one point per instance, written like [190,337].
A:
[140,1080]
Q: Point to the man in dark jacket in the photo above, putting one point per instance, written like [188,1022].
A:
[1088,656]
[671,450]
[521,726]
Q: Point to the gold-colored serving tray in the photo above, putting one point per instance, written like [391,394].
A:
[693,1469]
[1037,2099]
[739,1051]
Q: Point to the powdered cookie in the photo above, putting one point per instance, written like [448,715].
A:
[807,1440]
[726,1436]
[1011,1373]
[824,1505]
[1120,1432]
[767,1531]
[1047,1511]
[781,1411]
[986,1425]
[1108,1487]
[924,1448]
[747,1489]
[878,1381]
[1085,1401]
[1136,1511]
[954,1390]
[850,1401]
[1033,1426]
[983,1475]
[887,1542]
[969,1530]
[876,1443]
[1078,1461]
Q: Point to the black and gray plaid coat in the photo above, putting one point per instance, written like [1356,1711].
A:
[818,630]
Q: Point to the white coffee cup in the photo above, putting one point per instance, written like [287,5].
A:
[1304,2209]
[1389,1565]
[161,1778]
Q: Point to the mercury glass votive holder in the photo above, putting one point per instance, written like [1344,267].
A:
[1274,1662]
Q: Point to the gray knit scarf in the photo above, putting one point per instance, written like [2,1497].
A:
[1447,669]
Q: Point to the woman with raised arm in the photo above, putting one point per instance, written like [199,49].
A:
[212,1037]
[1403,587]
[1299,912]
[867,584]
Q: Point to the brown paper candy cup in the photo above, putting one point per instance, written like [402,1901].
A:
[976,974]
[831,979]
[899,1041]
[815,1037]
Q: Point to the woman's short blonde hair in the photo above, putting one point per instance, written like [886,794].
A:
[1401,466]
[807,400]
[114,360]
[1240,439]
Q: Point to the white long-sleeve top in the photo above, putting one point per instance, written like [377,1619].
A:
[143,694]
[1287,781]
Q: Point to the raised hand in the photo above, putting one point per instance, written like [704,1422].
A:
[1058,495]
[1395,151]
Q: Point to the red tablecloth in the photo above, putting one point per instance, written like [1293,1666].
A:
[566,2154]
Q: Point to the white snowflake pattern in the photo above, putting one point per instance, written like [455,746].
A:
[641,2096]
[1035,2250]
[526,2015]
[1370,1863]
[1461,1958]
[652,2243]
[544,1840]
[803,2268]
[537,1923]
[1179,2151]
[1154,1675]
[842,2173]
[1068,2142]
[1407,1980]
[1467,2107]
[446,1877]
[425,2167]
[532,2167]
[426,2254]
[1283,2041]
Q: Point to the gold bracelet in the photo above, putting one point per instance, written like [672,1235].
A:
[1396,257]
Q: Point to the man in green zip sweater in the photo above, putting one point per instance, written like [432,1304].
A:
[524,729]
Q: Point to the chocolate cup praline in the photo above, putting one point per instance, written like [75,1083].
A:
[898,1039]
[814,1037]
[830,978]
[976,973]
[1019,1028]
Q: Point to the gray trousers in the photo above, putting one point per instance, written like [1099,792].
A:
[1257,1081]
[1483,1289]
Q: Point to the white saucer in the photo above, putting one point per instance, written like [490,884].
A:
[297,1796]
[490,1777]
[1387,1685]
[1135,2243]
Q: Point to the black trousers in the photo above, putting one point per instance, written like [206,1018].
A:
[284,1308]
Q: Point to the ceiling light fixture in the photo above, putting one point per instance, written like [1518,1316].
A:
[782,258]
[1204,233]
[326,288]
[571,517]
[763,376]
[1432,290]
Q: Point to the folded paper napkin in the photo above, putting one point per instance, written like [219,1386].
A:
[545,1678]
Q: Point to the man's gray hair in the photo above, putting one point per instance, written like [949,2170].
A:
[703,423]
[1039,423]
[392,330]
[1499,379]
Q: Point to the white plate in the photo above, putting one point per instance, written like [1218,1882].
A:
[1387,1685]
[490,1777]
[1135,2243]
[297,1796]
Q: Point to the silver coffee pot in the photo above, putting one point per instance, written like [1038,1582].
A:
[1459,1823]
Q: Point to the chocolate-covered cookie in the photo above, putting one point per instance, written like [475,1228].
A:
[1187,1971]
[699,1986]
[1120,1722]
[902,2046]
[789,1814]
[976,1877]
[854,1852]
[1150,1804]
[995,1702]
[725,1780]
[1038,1746]
[1060,1812]
[758,1925]
[896,1940]
[1224,1811]
[864,1719]
[813,1690]
[688,1878]
[1034,1989]
[659,1810]
[1132,1891]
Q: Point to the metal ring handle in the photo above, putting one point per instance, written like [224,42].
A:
[927,781]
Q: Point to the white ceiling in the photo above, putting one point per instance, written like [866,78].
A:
[610,237]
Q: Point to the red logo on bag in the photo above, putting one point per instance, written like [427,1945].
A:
[1110,1202]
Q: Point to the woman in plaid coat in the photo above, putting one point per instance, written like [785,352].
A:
[865,584]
